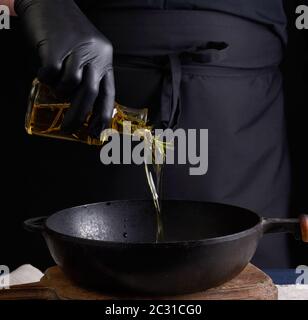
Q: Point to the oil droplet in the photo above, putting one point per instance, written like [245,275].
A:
[125,234]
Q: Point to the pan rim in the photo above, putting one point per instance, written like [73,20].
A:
[257,228]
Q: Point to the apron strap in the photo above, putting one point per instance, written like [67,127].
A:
[171,89]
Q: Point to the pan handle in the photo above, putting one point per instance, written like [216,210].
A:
[35,224]
[303,220]
[298,227]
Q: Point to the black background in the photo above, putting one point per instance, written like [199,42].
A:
[39,178]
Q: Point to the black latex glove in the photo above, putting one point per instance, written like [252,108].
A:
[76,59]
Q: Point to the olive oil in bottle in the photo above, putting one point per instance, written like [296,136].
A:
[46,112]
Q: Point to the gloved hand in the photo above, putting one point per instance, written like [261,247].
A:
[76,59]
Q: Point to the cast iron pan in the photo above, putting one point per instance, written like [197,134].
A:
[111,245]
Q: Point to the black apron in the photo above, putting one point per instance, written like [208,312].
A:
[206,70]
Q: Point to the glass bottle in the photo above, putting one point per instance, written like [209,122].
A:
[46,112]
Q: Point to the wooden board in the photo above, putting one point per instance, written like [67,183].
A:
[251,284]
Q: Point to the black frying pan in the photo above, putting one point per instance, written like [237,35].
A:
[111,245]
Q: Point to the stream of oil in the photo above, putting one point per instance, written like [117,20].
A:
[156,191]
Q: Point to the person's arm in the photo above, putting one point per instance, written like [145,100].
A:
[76,59]
[10,5]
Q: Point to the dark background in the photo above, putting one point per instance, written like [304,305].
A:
[39,178]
